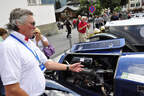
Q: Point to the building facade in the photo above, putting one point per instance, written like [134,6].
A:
[44,14]
[135,4]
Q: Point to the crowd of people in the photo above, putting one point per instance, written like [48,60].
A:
[82,23]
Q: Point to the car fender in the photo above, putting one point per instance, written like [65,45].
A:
[104,36]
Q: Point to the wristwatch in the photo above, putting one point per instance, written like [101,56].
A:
[67,68]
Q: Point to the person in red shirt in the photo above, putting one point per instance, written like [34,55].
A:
[82,28]
[74,23]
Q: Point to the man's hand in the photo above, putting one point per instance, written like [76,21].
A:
[76,67]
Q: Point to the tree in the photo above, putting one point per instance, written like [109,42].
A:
[85,4]
[97,6]
[117,9]
[112,3]
[124,2]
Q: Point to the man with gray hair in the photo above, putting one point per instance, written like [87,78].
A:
[21,60]
[82,27]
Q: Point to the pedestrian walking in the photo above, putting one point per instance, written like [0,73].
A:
[68,25]
[21,59]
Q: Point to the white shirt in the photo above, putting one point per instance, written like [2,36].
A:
[18,64]
[40,44]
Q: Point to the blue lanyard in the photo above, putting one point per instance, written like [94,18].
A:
[35,54]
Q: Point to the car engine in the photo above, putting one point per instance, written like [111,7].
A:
[97,76]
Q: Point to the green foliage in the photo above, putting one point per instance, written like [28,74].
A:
[84,7]
[124,2]
[85,4]
[117,9]
[112,3]
[98,7]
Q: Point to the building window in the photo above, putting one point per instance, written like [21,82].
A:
[32,2]
[132,5]
[47,1]
[138,4]
[40,2]
[132,0]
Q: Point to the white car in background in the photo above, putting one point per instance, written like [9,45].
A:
[136,15]
[131,29]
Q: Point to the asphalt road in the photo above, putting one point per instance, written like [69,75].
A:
[61,43]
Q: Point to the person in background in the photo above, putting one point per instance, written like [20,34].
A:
[78,21]
[83,25]
[120,16]
[40,40]
[20,58]
[101,21]
[74,23]
[87,28]
[68,26]
[3,34]
[105,17]
[114,16]
[97,22]
[129,15]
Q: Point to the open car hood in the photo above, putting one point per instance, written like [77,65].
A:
[112,46]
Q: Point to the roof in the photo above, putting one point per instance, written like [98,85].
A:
[65,7]
[132,21]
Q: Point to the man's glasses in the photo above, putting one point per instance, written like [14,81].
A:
[33,23]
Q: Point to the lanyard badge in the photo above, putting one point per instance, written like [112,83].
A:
[41,65]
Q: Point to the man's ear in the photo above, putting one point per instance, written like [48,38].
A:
[17,23]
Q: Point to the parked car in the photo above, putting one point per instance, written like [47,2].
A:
[132,30]
[137,15]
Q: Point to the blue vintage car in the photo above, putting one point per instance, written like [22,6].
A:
[109,71]
[113,60]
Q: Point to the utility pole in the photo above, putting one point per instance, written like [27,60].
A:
[128,4]
[70,40]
